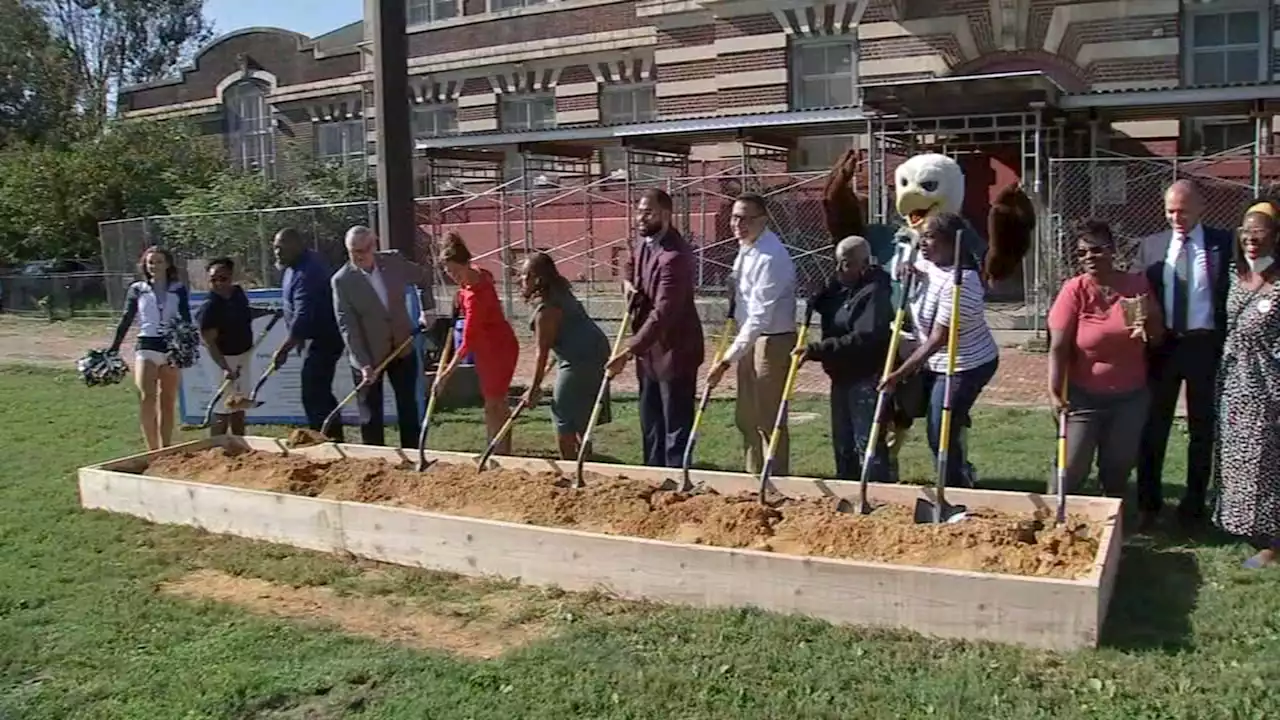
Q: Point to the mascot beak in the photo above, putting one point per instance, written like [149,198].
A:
[914,205]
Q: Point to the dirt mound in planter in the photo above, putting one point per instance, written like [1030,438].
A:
[985,541]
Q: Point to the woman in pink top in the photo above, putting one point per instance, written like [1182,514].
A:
[1103,355]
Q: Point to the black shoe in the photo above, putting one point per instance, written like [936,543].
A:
[1191,521]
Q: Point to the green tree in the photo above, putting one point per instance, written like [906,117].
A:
[38,90]
[122,42]
[53,197]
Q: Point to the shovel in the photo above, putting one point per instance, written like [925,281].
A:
[595,411]
[377,377]
[767,471]
[686,484]
[502,432]
[940,511]
[1062,456]
[208,413]
[431,401]
[882,400]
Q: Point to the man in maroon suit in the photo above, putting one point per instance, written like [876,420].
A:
[667,334]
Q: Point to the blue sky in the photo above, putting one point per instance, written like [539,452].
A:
[310,17]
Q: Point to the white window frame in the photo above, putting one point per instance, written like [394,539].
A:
[251,145]
[435,110]
[512,5]
[1201,124]
[1195,12]
[631,91]
[799,75]
[422,12]
[506,103]
[350,141]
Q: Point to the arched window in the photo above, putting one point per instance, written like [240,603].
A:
[250,128]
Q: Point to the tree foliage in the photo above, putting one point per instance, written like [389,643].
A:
[123,42]
[52,197]
[38,89]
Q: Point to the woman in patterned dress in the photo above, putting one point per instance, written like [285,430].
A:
[1247,476]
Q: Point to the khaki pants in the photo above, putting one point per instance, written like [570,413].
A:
[762,373]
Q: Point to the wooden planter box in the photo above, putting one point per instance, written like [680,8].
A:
[1039,612]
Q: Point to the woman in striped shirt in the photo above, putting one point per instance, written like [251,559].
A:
[977,355]
[155,303]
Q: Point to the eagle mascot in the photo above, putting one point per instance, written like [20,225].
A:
[924,185]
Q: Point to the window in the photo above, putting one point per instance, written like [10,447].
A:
[1226,46]
[420,12]
[622,104]
[825,74]
[496,5]
[435,121]
[528,112]
[250,128]
[1218,135]
[341,143]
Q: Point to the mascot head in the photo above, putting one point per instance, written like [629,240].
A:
[927,184]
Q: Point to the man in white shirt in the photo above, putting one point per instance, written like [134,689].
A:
[763,283]
[1188,268]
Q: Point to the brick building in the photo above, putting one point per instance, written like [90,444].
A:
[601,93]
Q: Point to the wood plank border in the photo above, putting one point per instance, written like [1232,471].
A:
[1039,612]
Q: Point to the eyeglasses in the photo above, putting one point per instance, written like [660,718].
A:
[1090,250]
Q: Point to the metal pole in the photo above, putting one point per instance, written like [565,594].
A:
[396,226]
[1256,160]
[1039,234]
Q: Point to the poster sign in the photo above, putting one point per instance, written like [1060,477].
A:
[281,396]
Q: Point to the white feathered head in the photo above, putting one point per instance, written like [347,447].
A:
[927,184]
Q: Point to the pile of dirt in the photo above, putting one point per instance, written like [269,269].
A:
[985,541]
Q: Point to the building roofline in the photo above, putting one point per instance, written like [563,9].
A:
[1158,97]
[304,42]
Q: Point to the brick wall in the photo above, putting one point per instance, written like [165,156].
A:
[525,28]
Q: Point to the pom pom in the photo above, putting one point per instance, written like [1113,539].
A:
[183,343]
[101,367]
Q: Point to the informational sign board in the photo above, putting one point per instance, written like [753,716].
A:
[281,396]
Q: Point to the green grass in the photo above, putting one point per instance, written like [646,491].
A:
[84,634]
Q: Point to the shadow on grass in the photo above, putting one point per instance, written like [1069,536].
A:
[1157,586]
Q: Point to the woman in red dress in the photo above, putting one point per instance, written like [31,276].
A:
[486,335]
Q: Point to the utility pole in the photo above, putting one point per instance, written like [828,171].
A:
[397,228]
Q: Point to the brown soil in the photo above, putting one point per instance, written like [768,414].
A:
[302,437]
[398,620]
[985,541]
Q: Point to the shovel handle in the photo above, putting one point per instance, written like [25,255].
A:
[377,375]
[595,411]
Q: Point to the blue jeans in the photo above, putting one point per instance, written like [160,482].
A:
[966,386]
[853,408]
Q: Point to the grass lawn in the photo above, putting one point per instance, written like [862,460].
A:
[91,628]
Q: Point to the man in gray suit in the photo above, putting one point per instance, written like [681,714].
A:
[368,300]
[1188,268]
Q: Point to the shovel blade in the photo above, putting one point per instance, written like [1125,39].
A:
[849,507]
[924,512]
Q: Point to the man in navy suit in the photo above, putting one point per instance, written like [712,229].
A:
[1187,267]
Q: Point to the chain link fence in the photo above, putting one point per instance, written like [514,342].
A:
[1128,193]
[586,225]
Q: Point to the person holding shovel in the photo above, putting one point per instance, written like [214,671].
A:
[561,326]
[977,355]
[1101,348]
[856,312]
[226,326]
[486,334]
